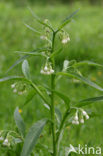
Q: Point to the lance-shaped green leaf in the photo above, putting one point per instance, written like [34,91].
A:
[81,78]
[25,69]
[64,98]
[32,53]
[34,30]
[32,137]
[39,20]
[87,63]
[89,101]
[46,106]
[17,62]
[67,20]
[26,56]
[29,97]
[19,122]
[65,65]
[17,78]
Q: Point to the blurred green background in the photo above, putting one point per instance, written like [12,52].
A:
[86,33]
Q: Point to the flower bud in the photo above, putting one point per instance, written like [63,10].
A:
[51,71]
[20,93]
[45,68]
[84,113]
[87,117]
[15,90]
[6,143]
[82,121]
[75,122]
[76,118]
[48,73]
[13,85]
[43,37]
[42,72]
[65,40]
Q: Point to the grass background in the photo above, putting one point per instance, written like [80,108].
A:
[86,33]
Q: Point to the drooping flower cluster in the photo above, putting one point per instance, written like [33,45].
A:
[18,88]
[43,37]
[46,36]
[7,139]
[47,69]
[6,142]
[64,37]
[80,117]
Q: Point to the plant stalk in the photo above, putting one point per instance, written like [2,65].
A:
[52,100]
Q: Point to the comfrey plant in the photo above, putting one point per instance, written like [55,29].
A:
[74,114]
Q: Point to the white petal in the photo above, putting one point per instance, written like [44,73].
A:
[15,90]
[20,93]
[76,118]
[68,38]
[1,138]
[51,71]
[42,71]
[45,68]
[13,85]
[77,122]
[87,117]
[82,121]
[84,113]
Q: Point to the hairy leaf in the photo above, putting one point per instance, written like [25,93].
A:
[32,53]
[17,62]
[89,101]
[19,122]
[87,63]
[64,98]
[26,56]
[65,65]
[39,20]
[67,20]
[81,78]
[17,78]
[32,137]
[34,30]
[46,106]
[25,69]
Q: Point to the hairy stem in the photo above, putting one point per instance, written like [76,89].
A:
[52,100]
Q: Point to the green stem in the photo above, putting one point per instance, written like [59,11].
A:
[52,100]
